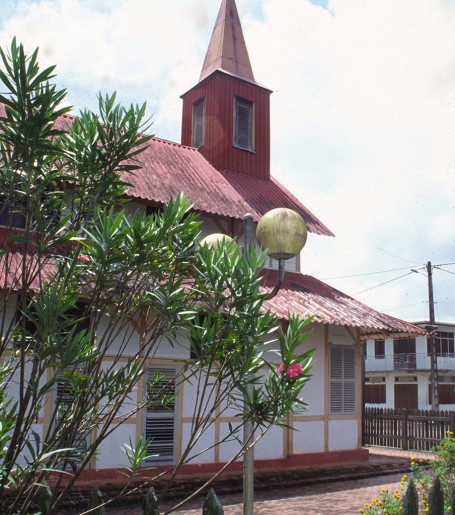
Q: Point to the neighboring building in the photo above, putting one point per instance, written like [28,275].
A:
[398,371]
[223,166]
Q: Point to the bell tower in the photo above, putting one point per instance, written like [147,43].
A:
[227,114]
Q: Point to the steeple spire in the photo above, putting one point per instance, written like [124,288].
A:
[227,50]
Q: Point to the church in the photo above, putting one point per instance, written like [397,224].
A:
[222,164]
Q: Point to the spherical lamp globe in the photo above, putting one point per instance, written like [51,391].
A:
[282,233]
[214,240]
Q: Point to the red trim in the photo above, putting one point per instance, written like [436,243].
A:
[207,469]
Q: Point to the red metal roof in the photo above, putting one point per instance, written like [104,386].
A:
[300,294]
[306,296]
[11,267]
[169,169]
[227,49]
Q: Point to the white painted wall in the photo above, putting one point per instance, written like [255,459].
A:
[110,451]
[342,434]
[308,437]
[203,445]
[309,434]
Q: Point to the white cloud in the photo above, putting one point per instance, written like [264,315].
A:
[363,129]
[363,113]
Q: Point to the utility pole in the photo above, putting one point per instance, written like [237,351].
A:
[433,357]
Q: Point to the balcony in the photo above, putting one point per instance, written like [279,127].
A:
[408,362]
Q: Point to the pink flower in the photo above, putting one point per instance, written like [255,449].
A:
[281,368]
[83,259]
[294,370]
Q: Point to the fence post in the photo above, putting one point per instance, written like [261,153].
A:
[452,421]
[404,431]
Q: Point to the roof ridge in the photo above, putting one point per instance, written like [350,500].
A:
[175,143]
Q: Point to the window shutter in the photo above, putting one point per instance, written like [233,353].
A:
[160,420]
[243,124]
[342,380]
[63,401]
[198,123]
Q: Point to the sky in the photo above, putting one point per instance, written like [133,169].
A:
[363,116]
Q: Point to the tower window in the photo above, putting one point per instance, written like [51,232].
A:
[198,123]
[243,124]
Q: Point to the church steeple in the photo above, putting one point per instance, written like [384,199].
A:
[227,49]
[227,114]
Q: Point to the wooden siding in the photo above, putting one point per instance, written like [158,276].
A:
[219,91]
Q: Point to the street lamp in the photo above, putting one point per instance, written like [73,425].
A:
[282,233]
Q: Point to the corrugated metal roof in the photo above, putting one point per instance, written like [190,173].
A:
[306,296]
[11,267]
[227,49]
[300,294]
[169,169]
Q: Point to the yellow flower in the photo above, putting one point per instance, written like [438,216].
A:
[412,462]
[450,432]
[413,458]
[383,489]
[361,511]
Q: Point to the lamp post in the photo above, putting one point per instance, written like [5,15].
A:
[282,233]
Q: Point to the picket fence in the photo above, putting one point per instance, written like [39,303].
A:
[418,430]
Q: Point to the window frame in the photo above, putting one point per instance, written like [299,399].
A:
[198,124]
[442,340]
[379,349]
[162,415]
[243,137]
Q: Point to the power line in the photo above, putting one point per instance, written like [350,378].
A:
[404,306]
[366,273]
[398,257]
[417,270]
[443,269]
[382,284]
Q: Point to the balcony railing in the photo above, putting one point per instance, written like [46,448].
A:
[407,362]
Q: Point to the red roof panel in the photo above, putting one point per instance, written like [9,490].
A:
[170,168]
[306,296]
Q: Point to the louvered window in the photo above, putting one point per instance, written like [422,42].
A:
[63,402]
[198,123]
[342,380]
[243,124]
[160,417]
